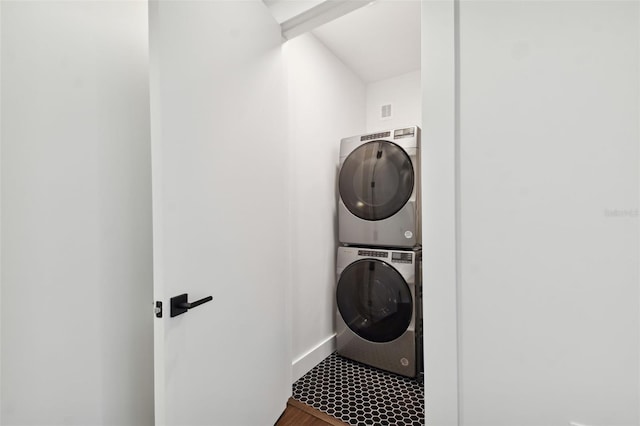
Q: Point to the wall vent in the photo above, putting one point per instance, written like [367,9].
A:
[385,112]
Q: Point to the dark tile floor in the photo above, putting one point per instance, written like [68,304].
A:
[361,395]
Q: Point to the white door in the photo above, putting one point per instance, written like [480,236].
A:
[218,114]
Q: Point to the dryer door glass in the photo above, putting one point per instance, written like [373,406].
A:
[376,180]
[374,300]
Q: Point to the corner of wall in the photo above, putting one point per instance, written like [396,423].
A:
[303,364]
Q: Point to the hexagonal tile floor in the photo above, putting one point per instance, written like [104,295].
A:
[361,395]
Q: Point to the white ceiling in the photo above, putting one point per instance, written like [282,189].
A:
[378,41]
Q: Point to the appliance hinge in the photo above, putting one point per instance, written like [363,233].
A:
[158,309]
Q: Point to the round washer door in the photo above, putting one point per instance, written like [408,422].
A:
[374,300]
[376,180]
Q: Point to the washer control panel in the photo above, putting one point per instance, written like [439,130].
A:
[373,253]
[401,257]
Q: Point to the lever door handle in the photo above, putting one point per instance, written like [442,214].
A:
[180,304]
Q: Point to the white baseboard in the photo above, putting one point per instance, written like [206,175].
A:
[303,364]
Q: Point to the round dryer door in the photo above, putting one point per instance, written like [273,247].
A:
[374,300]
[376,180]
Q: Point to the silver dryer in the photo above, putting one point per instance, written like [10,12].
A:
[379,188]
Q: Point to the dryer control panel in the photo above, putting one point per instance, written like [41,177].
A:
[404,133]
[401,257]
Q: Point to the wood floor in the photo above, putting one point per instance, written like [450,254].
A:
[299,414]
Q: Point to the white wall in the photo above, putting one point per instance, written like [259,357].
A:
[439,212]
[404,93]
[326,104]
[549,118]
[76,218]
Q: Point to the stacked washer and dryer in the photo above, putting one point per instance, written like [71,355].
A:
[379,260]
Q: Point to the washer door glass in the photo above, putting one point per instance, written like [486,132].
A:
[376,180]
[374,300]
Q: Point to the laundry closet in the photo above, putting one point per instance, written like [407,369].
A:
[356,76]
[330,100]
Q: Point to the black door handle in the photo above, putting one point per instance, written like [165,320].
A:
[180,304]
